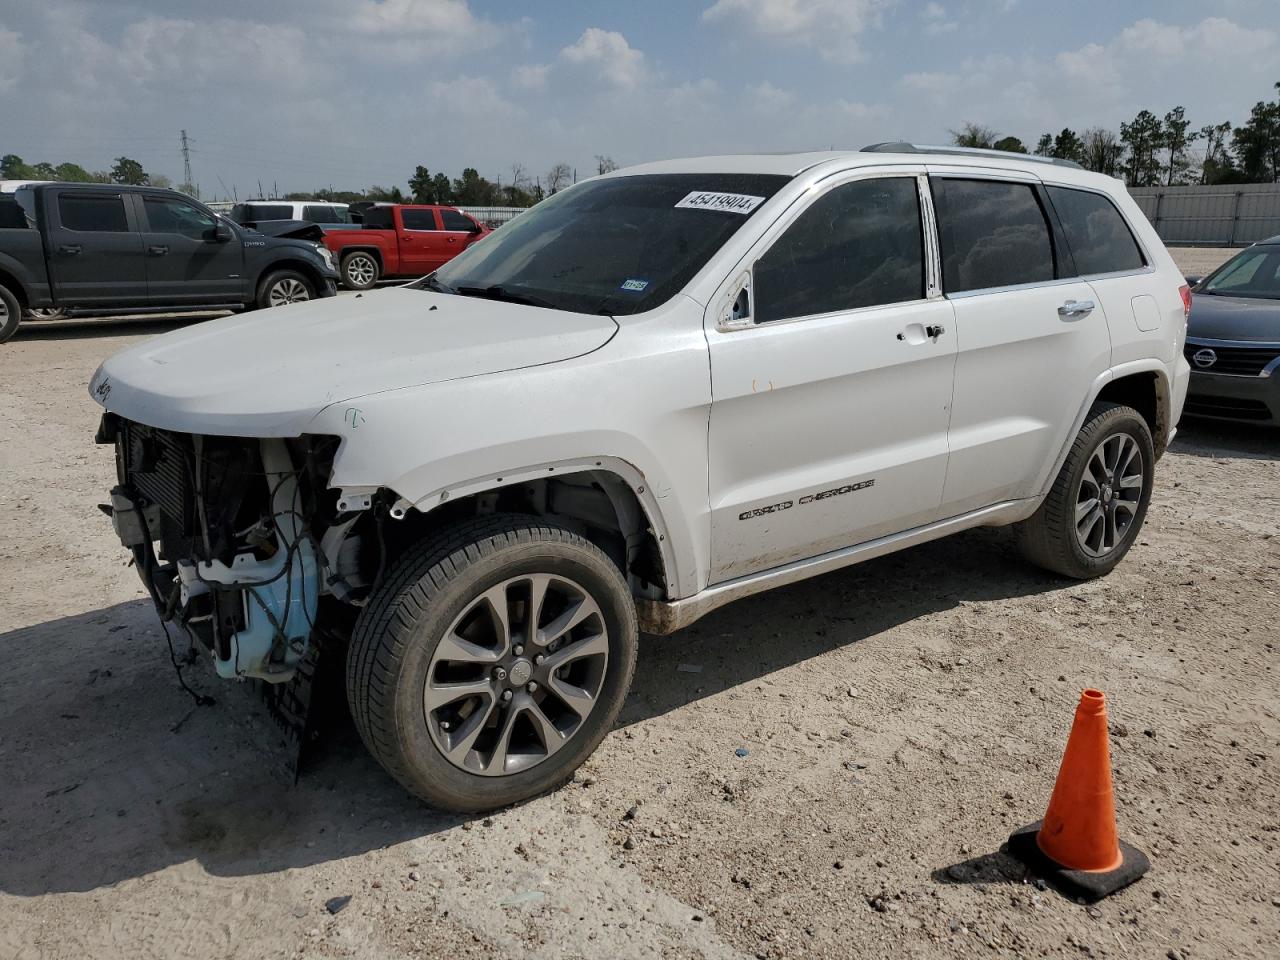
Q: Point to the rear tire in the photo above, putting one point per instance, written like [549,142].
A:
[283,287]
[360,270]
[471,708]
[10,314]
[46,313]
[1099,500]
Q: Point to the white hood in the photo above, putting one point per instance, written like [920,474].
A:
[268,372]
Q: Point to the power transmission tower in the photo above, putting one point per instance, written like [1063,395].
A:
[186,159]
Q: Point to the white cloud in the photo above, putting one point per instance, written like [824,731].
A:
[445,19]
[614,60]
[936,20]
[832,27]
[532,76]
[766,98]
[11,55]
[472,96]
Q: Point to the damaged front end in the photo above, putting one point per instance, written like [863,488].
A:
[222,530]
[242,544]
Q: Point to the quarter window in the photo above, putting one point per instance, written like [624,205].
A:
[93,214]
[453,220]
[418,219]
[1100,240]
[992,234]
[174,216]
[859,245]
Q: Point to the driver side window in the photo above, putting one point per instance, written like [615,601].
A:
[859,245]
[174,216]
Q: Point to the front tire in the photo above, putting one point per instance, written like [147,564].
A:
[46,313]
[1099,500]
[492,661]
[359,270]
[283,287]
[10,314]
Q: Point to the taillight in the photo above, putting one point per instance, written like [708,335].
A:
[1185,292]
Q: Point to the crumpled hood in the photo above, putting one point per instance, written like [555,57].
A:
[268,372]
[1234,318]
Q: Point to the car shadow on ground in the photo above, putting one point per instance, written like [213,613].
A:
[83,328]
[112,772]
[1220,439]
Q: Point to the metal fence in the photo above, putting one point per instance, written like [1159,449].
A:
[1230,215]
[494,216]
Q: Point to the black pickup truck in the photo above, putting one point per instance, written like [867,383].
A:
[105,248]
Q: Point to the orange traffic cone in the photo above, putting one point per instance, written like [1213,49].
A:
[1075,846]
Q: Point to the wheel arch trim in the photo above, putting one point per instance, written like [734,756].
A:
[1147,365]
[678,562]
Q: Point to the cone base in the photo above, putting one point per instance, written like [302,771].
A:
[1087,885]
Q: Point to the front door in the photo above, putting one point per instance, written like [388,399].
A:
[1032,338]
[831,385]
[186,262]
[95,250]
[421,242]
[459,232]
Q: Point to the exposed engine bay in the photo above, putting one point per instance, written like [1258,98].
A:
[237,540]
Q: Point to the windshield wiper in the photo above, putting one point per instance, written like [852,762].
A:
[496,292]
[431,282]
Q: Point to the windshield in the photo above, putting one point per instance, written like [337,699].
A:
[1253,273]
[620,245]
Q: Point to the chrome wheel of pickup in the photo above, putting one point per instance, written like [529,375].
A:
[516,675]
[359,271]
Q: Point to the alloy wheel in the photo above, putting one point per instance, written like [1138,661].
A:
[288,290]
[516,675]
[361,270]
[1109,494]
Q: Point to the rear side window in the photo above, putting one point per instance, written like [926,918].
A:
[92,214]
[418,219]
[1100,240]
[859,245]
[325,214]
[992,234]
[269,211]
[378,218]
[453,220]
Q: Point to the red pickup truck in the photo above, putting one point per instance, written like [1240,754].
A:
[401,240]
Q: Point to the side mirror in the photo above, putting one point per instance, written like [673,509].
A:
[221,232]
[1193,279]
[476,228]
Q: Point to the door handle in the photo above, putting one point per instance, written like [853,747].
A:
[453,239]
[933,331]
[157,251]
[70,249]
[1076,309]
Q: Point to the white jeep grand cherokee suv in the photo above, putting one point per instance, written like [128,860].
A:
[658,391]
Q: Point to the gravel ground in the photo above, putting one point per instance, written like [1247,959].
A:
[900,717]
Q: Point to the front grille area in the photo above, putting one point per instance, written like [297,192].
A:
[1234,361]
[1235,408]
[157,465]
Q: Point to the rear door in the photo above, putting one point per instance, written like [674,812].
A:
[421,242]
[1032,337]
[95,248]
[186,262]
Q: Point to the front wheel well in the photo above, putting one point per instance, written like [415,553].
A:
[1143,392]
[301,266]
[372,251]
[598,504]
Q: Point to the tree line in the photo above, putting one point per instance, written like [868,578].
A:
[125,170]
[1150,151]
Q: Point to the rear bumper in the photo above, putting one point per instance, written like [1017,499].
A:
[1240,399]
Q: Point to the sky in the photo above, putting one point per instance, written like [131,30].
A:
[305,94]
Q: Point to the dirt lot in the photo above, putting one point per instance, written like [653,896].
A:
[901,717]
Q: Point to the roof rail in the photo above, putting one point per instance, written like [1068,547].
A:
[900,147]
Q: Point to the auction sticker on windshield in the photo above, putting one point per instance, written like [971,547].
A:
[724,202]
